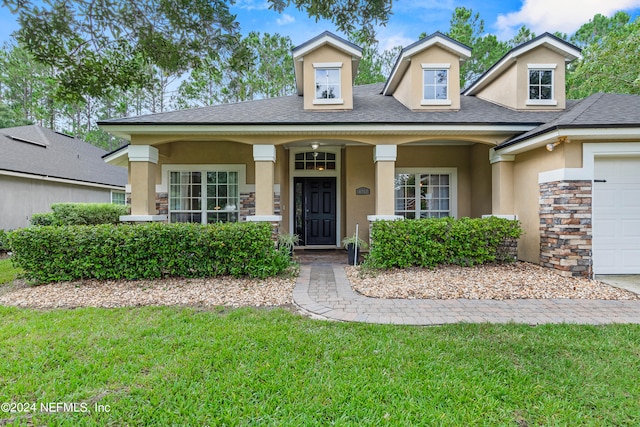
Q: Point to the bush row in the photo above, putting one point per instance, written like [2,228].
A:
[52,254]
[4,243]
[431,242]
[80,214]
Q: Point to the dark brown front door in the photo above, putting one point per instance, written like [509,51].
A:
[315,217]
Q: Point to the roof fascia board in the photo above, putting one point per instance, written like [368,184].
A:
[405,57]
[581,133]
[60,180]
[280,129]
[570,54]
[330,40]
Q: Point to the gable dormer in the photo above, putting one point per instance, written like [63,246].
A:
[426,75]
[531,76]
[325,69]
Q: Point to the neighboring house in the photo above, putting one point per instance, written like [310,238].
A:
[335,155]
[39,167]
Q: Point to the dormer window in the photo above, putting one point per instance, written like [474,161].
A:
[328,83]
[541,91]
[435,84]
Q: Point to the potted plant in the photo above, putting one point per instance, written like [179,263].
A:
[287,241]
[353,245]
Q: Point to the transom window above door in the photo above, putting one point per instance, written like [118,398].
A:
[315,160]
[425,194]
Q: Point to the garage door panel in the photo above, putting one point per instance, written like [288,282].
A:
[616,216]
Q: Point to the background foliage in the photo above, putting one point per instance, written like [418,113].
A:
[436,241]
[54,254]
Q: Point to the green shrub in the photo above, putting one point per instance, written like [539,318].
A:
[81,214]
[42,218]
[4,243]
[431,242]
[52,254]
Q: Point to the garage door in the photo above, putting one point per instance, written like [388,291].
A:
[616,215]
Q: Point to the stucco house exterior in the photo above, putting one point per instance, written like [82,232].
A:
[39,167]
[335,155]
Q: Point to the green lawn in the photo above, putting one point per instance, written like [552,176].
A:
[170,366]
[7,271]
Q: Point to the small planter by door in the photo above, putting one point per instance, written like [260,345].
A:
[352,253]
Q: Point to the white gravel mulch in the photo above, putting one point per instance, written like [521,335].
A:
[210,292]
[519,280]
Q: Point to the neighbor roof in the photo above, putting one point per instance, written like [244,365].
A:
[36,150]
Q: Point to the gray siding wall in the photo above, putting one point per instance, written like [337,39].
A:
[21,197]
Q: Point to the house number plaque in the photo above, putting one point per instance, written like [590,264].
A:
[363,191]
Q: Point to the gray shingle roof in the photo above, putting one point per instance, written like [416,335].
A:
[595,111]
[40,151]
[370,107]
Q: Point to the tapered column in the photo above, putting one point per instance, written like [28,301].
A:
[502,196]
[384,157]
[264,157]
[143,160]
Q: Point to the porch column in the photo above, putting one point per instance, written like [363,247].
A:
[265,158]
[502,203]
[384,157]
[143,160]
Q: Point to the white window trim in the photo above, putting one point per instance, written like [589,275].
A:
[434,66]
[333,66]
[453,183]
[543,67]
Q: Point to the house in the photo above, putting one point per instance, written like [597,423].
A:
[336,155]
[39,167]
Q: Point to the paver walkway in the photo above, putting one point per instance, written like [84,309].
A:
[323,290]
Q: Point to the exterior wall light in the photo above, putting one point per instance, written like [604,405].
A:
[314,146]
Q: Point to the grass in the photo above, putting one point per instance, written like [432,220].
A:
[8,272]
[181,366]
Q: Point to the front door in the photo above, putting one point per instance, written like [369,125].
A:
[315,217]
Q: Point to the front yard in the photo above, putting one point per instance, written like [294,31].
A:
[184,366]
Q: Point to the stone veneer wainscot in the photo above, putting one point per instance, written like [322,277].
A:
[565,227]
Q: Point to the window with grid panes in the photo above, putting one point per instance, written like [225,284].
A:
[204,197]
[423,195]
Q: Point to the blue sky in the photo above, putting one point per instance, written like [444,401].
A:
[412,17]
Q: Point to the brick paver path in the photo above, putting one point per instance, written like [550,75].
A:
[322,290]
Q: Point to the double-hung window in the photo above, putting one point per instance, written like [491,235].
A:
[435,84]
[118,198]
[540,84]
[429,193]
[204,196]
[328,83]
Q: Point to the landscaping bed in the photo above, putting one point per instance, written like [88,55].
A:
[519,280]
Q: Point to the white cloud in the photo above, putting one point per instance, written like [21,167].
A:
[252,5]
[552,15]
[285,19]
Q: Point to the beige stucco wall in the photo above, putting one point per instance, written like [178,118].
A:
[526,199]
[328,54]
[410,88]
[359,172]
[511,88]
[22,197]
[481,183]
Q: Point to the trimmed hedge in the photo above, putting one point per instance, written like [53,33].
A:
[150,251]
[4,241]
[80,214]
[431,242]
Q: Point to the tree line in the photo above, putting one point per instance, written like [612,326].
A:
[73,63]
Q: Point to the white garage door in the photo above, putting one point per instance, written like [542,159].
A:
[616,215]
